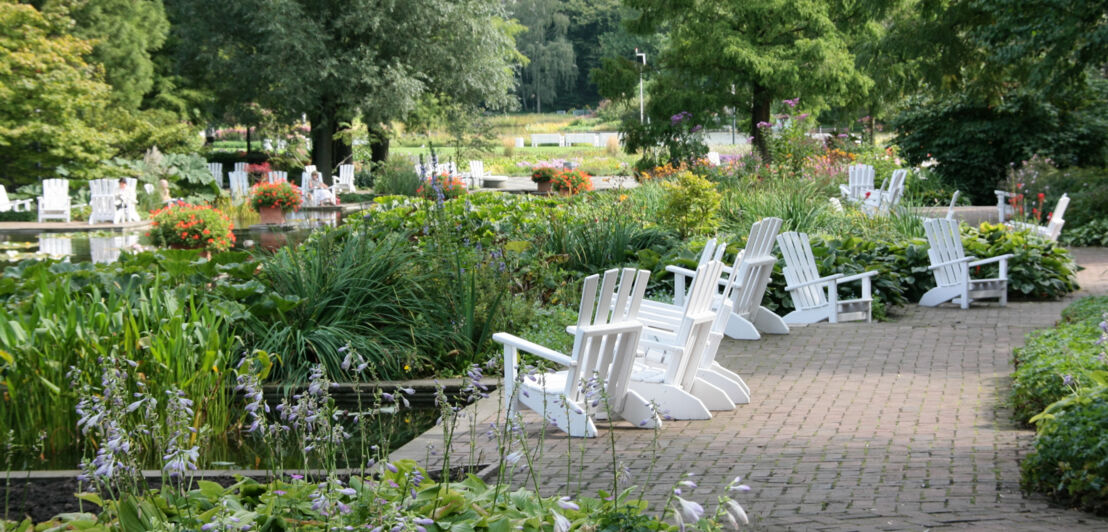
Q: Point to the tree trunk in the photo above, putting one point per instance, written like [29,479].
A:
[378,144]
[327,152]
[247,139]
[759,112]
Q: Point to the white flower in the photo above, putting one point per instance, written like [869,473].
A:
[733,508]
[567,504]
[561,524]
[691,511]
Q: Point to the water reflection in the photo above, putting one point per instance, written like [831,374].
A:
[105,249]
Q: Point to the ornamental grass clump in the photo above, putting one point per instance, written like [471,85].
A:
[193,227]
[284,195]
[572,181]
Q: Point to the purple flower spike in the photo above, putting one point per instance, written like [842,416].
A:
[391,467]
[567,504]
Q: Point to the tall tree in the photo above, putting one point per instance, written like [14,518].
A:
[768,50]
[336,59]
[551,61]
[124,34]
[50,101]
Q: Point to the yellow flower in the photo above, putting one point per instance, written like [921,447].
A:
[407,367]
[622,197]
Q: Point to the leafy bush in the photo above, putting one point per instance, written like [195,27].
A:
[1039,268]
[691,205]
[1046,359]
[1093,233]
[1070,459]
[192,226]
[283,195]
[572,181]
[1086,308]
[396,176]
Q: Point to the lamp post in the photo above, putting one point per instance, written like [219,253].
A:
[643,56]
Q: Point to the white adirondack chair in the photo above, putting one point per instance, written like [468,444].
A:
[476,174]
[604,346]
[817,298]
[749,277]
[669,373]
[10,205]
[240,186]
[888,197]
[277,176]
[241,167]
[713,158]
[1004,209]
[54,201]
[953,202]
[305,196]
[547,138]
[1053,228]
[217,172]
[860,181]
[344,182]
[952,268]
[102,200]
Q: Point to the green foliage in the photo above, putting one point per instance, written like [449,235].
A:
[51,101]
[1093,233]
[1039,269]
[283,195]
[188,174]
[397,176]
[678,140]
[551,64]
[376,296]
[691,205]
[1070,459]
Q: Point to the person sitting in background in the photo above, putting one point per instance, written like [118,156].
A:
[125,204]
[321,194]
[163,192]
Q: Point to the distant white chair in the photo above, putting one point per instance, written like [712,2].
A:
[604,346]
[591,139]
[1004,208]
[217,172]
[13,205]
[241,167]
[885,199]
[54,201]
[952,268]
[713,158]
[240,186]
[1053,228]
[344,182]
[860,183]
[102,198]
[669,373]
[277,176]
[556,139]
[817,298]
[477,174]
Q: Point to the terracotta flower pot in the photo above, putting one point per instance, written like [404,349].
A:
[272,215]
[544,187]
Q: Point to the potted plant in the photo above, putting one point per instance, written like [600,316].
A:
[572,182]
[542,175]
[185,226]
[273,200]
[449,186]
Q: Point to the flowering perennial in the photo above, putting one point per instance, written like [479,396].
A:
[192,226]
[283,195]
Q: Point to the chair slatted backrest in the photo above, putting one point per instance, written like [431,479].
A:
[890,197]
[217,172]
[241,167]
[800,267]
[5,203]
[55,194]
[953,203]
[860,180]
[346,174]
[711,251]
[609,354]
[277,176]
[755,268]
[240,185]
[102,200]
[696,326]
[945,240]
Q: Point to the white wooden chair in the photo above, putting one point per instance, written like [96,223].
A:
[713,158]
[591,139]
[305,191]
[817,298]
[1053,228]
[240,186]
[277,176]
[217,172]
[888,196]
[344,182]
[54,201]
[476,174]
[1004,208]
[604,346]
[241,167]
[860,181]
[10,205]
[547,138]
[749,277]
[669,372]
[952,268]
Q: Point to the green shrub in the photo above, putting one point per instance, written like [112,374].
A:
[1069,461]
[1046,358]
[691,205]
[1086,308]
[1093,233]
[1039,269]
[396,176]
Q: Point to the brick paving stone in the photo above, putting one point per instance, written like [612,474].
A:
[899,425]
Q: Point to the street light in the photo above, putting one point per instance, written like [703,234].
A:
[643,56]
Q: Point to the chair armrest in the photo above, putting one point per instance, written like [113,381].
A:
[678,270]
[844,190]
[990,260]
[533,348]
[821,280]
[669,347]
[951,262]
[862,275]
[1001,194]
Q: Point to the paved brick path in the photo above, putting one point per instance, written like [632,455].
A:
[888,426]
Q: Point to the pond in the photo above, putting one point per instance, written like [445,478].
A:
[105,246]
